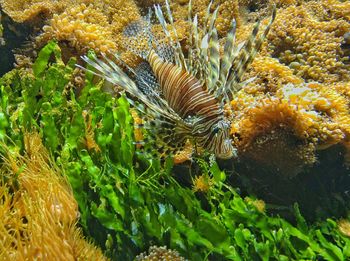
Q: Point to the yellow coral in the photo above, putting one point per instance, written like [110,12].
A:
[330,9]
[270,114]
[82,27]
[271,75]
[273,134]
[38,216]
[21,11]
[297,120]
[83,24]
[310,46]
[331,110]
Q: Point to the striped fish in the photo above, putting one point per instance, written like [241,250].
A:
[183,97]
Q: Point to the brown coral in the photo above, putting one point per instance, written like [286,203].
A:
[38,212]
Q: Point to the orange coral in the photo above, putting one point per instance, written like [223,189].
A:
[271,114]
[312,110]
[38,216]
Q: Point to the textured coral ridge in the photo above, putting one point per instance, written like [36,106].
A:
[38,212]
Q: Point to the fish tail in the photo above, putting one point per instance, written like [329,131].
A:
[138,37]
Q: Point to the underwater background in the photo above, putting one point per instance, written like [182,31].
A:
[74,185]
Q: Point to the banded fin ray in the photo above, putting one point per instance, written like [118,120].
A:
[195,67]
[163,23]
[230,51]
[138,37]
[155,110]
[191,51]
[245,57]
[223,74]
[214,61]
[206,17]
[177,43]
[146,80]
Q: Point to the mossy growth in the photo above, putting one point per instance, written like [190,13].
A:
[129,201]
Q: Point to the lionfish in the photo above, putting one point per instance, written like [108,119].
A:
[183,97]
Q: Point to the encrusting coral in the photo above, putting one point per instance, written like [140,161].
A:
[22,11]
[82,24]
[309,43]
[38,212]
[270,75]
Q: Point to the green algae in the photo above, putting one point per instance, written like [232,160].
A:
[129,200]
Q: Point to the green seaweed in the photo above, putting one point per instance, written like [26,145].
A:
[129,200]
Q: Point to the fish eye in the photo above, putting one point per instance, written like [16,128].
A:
[215,129]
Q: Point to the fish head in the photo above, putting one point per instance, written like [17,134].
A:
[221,143]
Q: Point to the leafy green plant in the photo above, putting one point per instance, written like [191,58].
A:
[128,200]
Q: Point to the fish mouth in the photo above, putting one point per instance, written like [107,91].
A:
[229,151]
